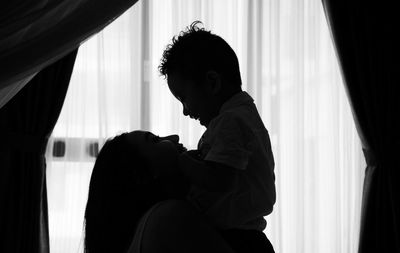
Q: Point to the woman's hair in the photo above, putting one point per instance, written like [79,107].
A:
[121,190]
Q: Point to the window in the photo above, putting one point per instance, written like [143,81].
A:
[288,65]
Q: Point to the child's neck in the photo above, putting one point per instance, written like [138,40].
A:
[229,94]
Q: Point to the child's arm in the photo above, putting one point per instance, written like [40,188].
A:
[211,176]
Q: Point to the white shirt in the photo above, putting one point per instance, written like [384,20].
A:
[238,138]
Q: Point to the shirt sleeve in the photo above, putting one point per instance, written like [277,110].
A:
[233,143]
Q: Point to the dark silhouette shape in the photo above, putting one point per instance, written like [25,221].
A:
[122,188]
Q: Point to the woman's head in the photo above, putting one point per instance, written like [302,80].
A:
[161,153]
[124,186]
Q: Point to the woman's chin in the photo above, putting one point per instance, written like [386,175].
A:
[181,148]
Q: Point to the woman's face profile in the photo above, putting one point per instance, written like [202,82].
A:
[159,151]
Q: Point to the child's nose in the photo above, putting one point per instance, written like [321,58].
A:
[185,111]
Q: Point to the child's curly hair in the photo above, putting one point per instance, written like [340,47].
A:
[195,51]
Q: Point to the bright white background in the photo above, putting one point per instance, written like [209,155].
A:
[288,65]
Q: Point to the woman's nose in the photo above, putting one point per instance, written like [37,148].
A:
[174,138]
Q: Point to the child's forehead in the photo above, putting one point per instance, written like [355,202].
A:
[176,78]
[177,83]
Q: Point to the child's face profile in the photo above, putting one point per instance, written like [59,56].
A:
[197,100]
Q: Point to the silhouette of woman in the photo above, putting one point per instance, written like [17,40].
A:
[136,200]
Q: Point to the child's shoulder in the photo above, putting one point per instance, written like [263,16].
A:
[233,123]
[243,114]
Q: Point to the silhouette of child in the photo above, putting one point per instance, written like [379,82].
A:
[232,171]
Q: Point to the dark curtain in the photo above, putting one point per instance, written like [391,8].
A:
[365,36]
[26,122]
[36,33]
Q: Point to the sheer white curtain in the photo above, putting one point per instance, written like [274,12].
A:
[288,65]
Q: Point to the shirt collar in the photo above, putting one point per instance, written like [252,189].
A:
[236,100]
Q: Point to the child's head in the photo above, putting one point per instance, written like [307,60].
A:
[202,72]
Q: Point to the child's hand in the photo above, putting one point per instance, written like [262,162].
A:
[195,154]
[188,158]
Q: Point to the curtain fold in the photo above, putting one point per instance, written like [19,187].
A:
[368,50]
[26,122]
[34,34]
[9,92]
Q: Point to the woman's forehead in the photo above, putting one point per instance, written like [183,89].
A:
[139,135]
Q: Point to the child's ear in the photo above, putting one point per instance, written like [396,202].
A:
[214,81]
